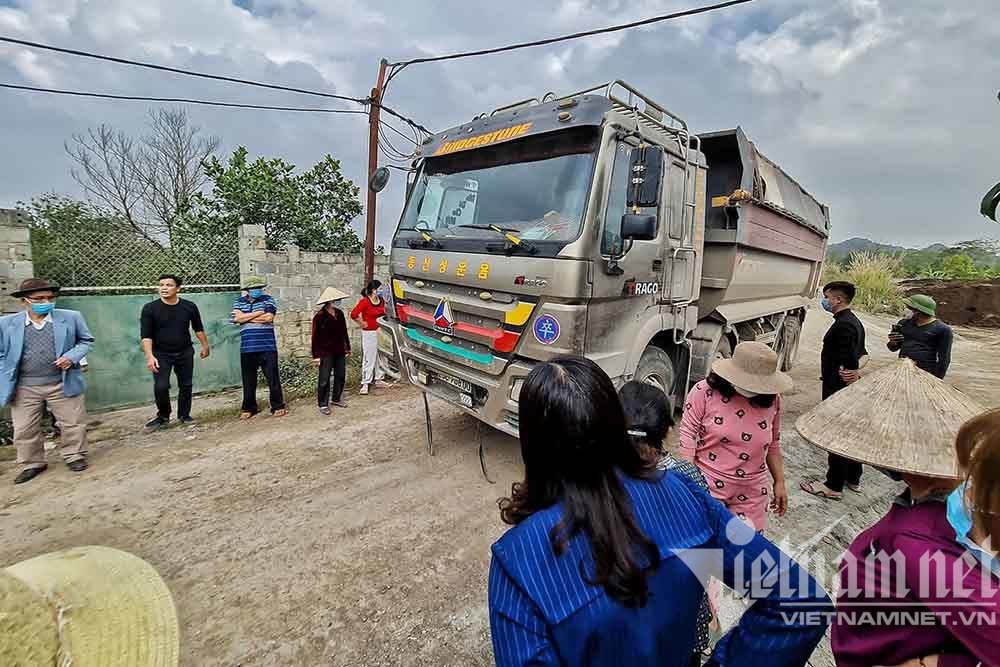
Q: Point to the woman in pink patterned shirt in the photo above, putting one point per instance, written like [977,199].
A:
[731,430]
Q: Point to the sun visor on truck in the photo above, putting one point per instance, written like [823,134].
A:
[503,126]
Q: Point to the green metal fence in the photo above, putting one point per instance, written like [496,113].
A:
[117,375]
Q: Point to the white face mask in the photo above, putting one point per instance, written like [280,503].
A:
[745,394]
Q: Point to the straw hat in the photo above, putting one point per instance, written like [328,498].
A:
[754,367]
[331,294]
[899,418]
[86,607]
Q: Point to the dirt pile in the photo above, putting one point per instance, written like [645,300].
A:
[974,303]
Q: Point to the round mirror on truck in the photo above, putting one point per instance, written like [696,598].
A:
[379,179]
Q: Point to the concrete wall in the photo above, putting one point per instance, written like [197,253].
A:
[296,278]
[15,257]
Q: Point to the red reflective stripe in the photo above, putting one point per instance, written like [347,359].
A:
[503,340]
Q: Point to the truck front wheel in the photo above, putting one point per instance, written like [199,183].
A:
[656,368]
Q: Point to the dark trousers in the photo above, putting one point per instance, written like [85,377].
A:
[338,366]
[840,471]
[250,362]
[182,364]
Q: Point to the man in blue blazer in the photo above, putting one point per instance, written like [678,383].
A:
[40,353]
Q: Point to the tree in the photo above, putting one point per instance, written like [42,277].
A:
[148,182]
[312,210]
[959,266]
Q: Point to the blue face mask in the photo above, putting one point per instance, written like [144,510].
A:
[256,293]
[961,521]
[42,308]
[827,306]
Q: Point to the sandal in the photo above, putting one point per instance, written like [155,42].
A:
[821,492]
[856,488]
[245,416]
[280,413]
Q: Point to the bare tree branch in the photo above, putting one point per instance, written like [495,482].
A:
[148,182]
[175,151]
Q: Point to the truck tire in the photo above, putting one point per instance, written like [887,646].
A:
[656,368]
[789,343]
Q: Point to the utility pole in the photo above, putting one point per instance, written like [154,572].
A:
[374,109]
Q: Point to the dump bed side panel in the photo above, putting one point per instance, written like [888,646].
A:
[765,236]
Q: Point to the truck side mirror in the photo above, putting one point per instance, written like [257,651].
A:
[638,227]
[646,167]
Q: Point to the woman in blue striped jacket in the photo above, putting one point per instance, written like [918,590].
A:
[608,557]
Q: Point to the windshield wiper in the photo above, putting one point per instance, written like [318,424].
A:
[507,233]
[428,240]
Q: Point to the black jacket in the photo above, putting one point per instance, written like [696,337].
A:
[843,347]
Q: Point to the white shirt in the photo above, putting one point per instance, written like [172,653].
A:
[39,327]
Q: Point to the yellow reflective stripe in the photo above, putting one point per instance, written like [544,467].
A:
[397,289]
[519,315]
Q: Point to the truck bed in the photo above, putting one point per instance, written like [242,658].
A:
[765,236]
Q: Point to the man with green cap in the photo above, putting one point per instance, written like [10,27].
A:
[922,337]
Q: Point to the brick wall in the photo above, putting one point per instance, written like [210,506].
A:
[15,257]
[296,278]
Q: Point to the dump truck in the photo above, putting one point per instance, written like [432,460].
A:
[592,224]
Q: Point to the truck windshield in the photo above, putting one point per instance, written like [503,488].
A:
[535,187]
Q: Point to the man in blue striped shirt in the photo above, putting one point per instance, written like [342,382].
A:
[254,314]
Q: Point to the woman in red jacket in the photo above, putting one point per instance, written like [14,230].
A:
[367,313]
[330,348]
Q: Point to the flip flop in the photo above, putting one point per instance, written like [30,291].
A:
[245,416]
[821,492]
[280,413]
[856,488]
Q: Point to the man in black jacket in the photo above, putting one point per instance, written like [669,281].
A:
[840,360]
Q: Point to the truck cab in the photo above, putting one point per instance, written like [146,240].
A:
[566,225]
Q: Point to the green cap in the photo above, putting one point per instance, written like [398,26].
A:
[922,304]
[254,282]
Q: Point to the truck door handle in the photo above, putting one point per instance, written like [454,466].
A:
[657,265]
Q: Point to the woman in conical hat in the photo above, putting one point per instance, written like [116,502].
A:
[904,421]
[330,348]
[86,607]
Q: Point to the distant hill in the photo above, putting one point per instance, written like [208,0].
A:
[851,246]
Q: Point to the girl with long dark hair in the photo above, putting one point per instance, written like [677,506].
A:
[600,565]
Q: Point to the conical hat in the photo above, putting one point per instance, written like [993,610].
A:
[330,294]
[899,418]
[86,607]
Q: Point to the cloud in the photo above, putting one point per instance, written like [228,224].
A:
[879,108]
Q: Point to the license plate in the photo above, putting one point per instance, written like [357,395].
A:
[458,383]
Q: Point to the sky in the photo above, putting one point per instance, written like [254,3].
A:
[885,110]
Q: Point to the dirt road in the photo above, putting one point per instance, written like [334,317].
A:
[337,540]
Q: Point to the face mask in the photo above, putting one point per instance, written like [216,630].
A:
[827,306]
[256,293]
[42,308]
[961,521]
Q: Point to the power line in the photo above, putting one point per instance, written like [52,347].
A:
[176,70]
[564,38]
[177,100]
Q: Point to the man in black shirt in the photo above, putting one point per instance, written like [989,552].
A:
[843,350]
[165,326]
[922,337]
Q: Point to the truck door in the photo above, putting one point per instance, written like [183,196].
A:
[627,277]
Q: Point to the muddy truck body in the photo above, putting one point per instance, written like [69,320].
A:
[592,224]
